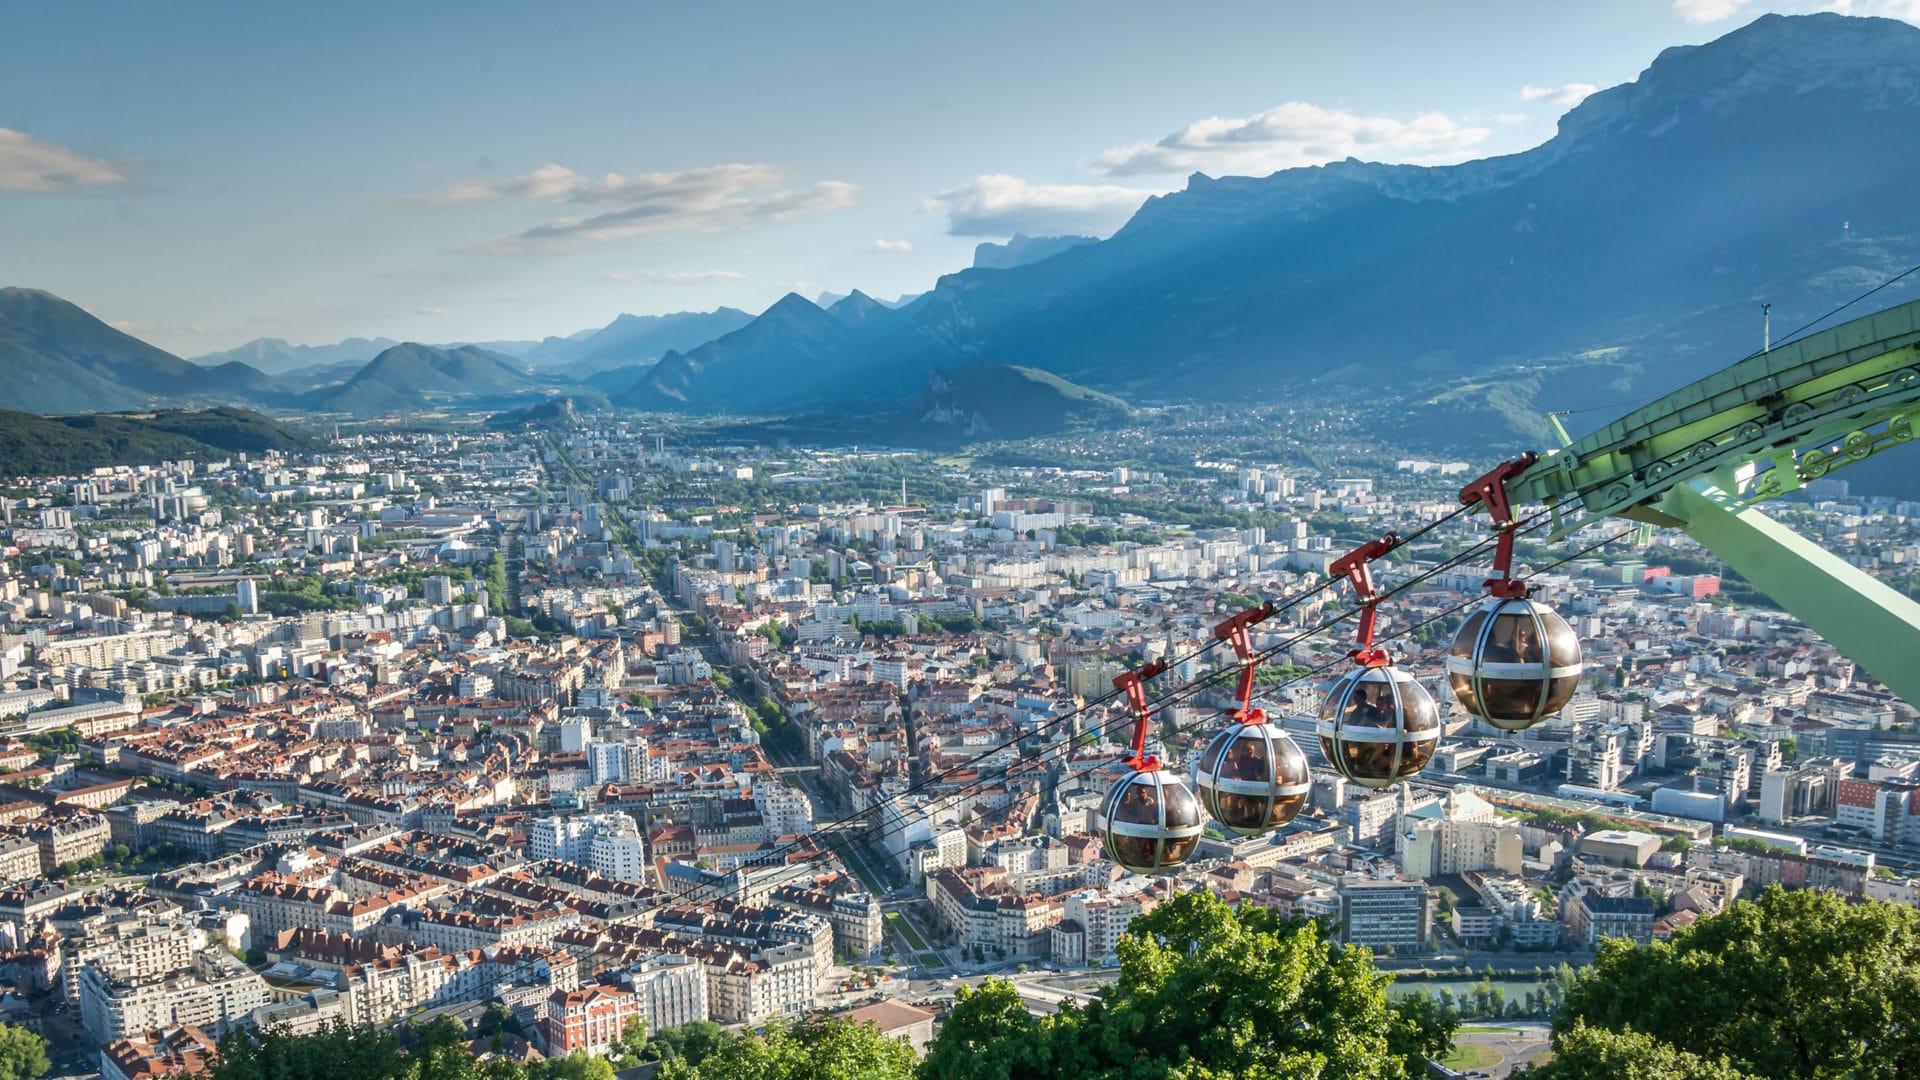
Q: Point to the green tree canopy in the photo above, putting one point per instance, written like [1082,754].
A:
[821,1048]
[691,1042]
[333,1053]
[1794,984]
[988,1035]
[1587,1053]
[23,1054]
[1205,992]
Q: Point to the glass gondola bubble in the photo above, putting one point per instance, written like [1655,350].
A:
[1253,778]
[1514,662]
[1378,725]
[1149,822]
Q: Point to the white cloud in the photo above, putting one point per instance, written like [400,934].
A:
[1566,96]
[1904,10]
[1511,118]
[674,277]
[892,247]
[430,311]
[549,181]
[30,164]
[1001,205]
[1700,12]
[710,199]
[1706,11]
[1291,135]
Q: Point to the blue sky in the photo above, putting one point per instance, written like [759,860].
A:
[203,174]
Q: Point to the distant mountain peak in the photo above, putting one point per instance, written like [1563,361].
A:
[1023,249]
[856,307]
[1873,60]
[277,356]
[793,301]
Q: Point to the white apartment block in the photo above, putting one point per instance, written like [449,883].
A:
[610,844]
[606,762]
[786,811]
[672,990]
[1103,919]
[1437,848]
[781,983]
[215,994]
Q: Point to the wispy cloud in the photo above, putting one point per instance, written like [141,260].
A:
[673,277]
[1566,96]
[549,181]
[1701,12]
[1705,11]
[30,164]
[711,199]
[1291,135]
[430,311]
[1001,205]
[892,247]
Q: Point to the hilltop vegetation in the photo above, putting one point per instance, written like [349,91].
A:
[1003,401]
[38,445]
[1792,985]
[554,413]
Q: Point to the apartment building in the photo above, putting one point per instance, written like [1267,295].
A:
[664,991]
[1596,916]
[610,844]
[1385,914]
[215,993]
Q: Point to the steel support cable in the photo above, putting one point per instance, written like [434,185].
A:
[844,827]
[1789,339]
[1195,686]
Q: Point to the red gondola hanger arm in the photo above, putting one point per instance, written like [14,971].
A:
[1134,685]
[1237,631]
[1490,491]
[1357,567]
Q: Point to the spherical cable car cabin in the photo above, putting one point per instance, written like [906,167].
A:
[1252,778]
[1149,821]
[1514,661]
[1378,725]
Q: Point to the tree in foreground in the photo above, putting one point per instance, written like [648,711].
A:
[1794,984]
[23,1054]
[1204,992]
[1586,1053]
[821,1048]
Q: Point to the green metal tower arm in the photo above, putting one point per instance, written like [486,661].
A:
[1745,426]
[1876,627]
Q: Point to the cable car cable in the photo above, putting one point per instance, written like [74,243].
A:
[1187,690]
[847,827]
[1197,685]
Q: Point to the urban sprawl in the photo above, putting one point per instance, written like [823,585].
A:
[594,726]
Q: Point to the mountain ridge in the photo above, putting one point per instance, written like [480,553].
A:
[57,357]
[1644,224]
[33,445]
[415,376]
[275,356]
